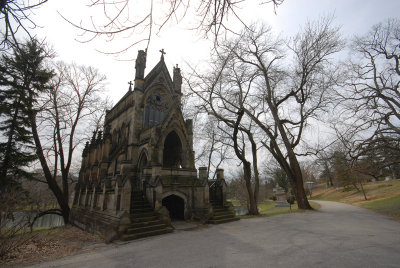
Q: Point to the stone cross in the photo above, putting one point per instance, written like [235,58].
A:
[130,85]
[162,53]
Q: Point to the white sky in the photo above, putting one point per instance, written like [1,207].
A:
[181,45]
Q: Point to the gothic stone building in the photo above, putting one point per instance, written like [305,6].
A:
[144,159]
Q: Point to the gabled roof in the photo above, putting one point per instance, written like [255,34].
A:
[173,109]
[159,75]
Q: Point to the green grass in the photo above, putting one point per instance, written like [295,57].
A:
[267,208]
[388,206]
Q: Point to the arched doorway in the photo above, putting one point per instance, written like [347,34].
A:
[172,151]
[141,166]
[143,161]
[175,206]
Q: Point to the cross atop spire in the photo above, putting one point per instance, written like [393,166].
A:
[162,53]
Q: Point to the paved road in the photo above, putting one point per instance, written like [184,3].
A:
[337,235]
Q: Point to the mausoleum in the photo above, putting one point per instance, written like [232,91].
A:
[139,172]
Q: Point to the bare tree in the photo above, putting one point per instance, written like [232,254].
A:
[346,170]
[64,113]
[275,94]
[324,162]
[212,147]
[219,93]
[15,15]
[134,18]
[370,98]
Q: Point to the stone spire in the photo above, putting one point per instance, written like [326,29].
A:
[177,79]
[140,64]
[93,140]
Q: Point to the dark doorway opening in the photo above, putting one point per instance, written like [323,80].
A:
[175,206]
[143,161]
[172,151]
[138,182]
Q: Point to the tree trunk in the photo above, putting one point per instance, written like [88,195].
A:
[302,201]
[293,171]
[330,180]
[296,181]
[255,167]
[51,181]
[253,210]
[362,189]
[301,197]
[355,186]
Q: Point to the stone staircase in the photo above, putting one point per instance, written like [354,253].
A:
[222,214]
[144,221]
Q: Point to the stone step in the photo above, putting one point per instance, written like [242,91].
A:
[142,229]
[140,203]
[142,214]
[126,237]
[221,210]
[145,223]
[212,221]
[141,210]
[145,218]
[222,216]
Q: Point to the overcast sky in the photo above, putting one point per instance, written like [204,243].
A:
[182,45]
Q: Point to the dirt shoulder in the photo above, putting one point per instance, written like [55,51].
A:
[51,244]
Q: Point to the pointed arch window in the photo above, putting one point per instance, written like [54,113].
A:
[155,109]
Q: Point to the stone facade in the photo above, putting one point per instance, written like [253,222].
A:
[146,148]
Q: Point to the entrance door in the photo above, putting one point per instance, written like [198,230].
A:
[175,206]
[216,196]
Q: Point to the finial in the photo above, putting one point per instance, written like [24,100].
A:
[162,53]
[93,140]
[130,85]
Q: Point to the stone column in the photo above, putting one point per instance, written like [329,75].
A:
[93,201]
[203,174]
[103,198]
[220,174]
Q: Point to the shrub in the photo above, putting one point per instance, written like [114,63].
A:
[291,199]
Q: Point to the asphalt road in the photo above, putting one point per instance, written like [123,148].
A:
[337,235]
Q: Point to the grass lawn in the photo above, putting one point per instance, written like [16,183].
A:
[267,208]
[383,196]
[389,206]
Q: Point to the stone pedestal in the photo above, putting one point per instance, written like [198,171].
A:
[280,197]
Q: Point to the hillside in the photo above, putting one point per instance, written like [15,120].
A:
[383,196]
